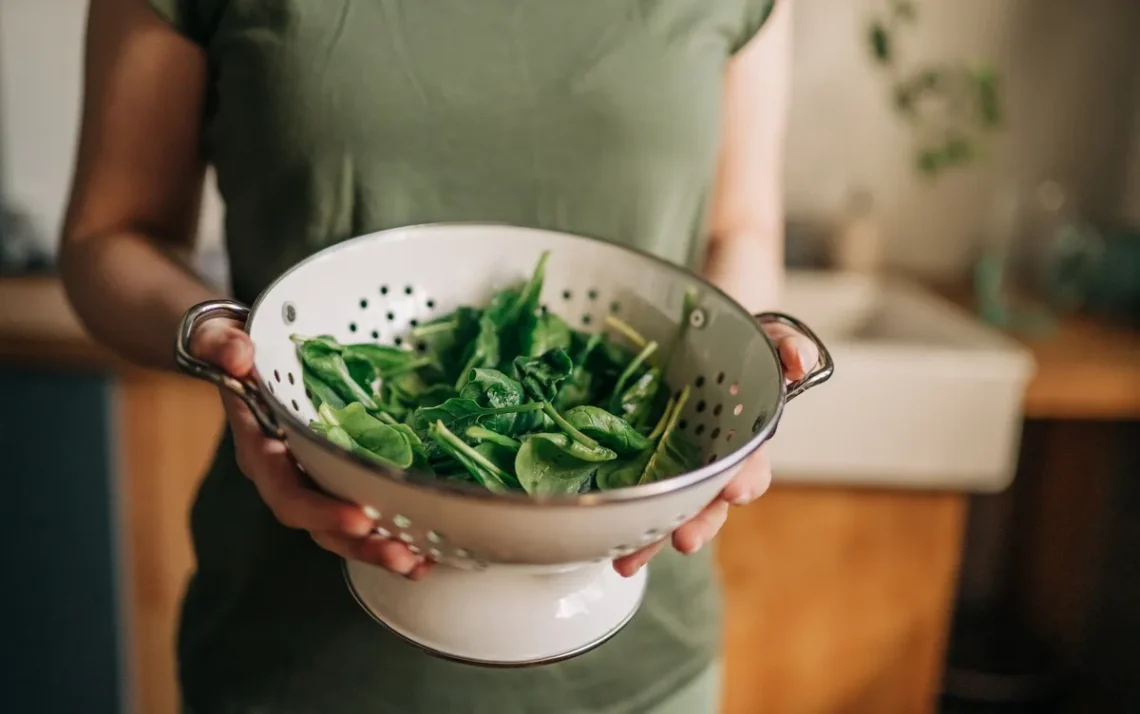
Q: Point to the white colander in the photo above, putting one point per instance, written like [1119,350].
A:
[522,580]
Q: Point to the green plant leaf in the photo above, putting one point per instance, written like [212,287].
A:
[485,471]
[545,469]
[608,430]
[492,388]
[541,376]
[388,445]
[324,357]
[542,333]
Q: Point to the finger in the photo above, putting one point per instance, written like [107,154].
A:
[384,552]
[798,355]
[283,488]
[223,343]
[420,571]
[753,480]
[627,566]
[702,528]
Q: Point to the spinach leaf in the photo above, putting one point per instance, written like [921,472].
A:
[319,392]
[636,403]
[577,449]
[457,414]
[627,374]
[324,357]
[485,471]
[544,469]
[541,376]
[492,388]
[483,352]
[386,444]
[382,358]
[527,301]
[539,334]
[669,454]
[607,429]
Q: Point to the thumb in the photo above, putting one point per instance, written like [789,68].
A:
[225,344]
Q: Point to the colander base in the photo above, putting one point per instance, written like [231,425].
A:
[504,616]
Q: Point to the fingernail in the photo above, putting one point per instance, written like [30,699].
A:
[742,499]
[693,547]
[372,513]
[806,360]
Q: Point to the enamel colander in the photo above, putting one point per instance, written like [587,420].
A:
[521,580]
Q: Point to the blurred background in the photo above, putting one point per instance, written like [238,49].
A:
[953,526]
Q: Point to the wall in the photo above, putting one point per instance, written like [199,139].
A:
[1069,64]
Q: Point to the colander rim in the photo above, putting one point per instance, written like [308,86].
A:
[595,498]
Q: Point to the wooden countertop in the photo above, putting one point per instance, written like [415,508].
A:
[1085,370]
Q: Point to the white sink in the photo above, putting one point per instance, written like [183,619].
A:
[924,395]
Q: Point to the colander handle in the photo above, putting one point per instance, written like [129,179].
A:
[823,369]
[245,390]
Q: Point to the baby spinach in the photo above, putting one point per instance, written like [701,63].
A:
[545,469]
[324,357]
[509,397]
[607,429]
[541,376]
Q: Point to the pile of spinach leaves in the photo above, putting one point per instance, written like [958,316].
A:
[509,397]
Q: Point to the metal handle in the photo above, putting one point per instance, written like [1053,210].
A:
[245,390]
[823,369]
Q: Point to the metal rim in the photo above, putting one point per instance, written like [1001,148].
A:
[632,493]
[489,664]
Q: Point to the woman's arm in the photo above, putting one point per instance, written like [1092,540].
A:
[746,256]
[135,196]
[746,244]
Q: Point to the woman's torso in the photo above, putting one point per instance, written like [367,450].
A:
[332,118]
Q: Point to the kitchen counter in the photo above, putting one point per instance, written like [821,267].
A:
[1086,369]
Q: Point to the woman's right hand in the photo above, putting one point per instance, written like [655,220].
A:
[340,527]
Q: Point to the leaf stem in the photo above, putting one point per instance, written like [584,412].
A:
[440,432]
[636,362]
[568,427]
[411,366]
[433,327]
[626,330]
[664,438]
[480,433]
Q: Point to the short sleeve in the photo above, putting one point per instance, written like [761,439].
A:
[195,19]
[756,13]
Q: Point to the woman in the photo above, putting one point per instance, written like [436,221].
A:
[654,122]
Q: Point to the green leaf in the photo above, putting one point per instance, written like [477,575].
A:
[541,376]
[457,414]
[607,429]
[542,333]
[483,352]
[385,443]
[319,392]
[669,454]
[527,301]
[324,357]
[576,449]
[545,469]
[492,388]
[483,469]
[636,403]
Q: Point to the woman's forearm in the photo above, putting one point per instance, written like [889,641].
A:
[749,267]
[129,294]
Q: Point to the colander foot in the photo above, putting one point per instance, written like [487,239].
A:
[504,616]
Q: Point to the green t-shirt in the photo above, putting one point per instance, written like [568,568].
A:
[328,119]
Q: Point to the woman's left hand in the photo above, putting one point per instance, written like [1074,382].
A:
[798,356]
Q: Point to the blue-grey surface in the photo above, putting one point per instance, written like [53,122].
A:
[61,642]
